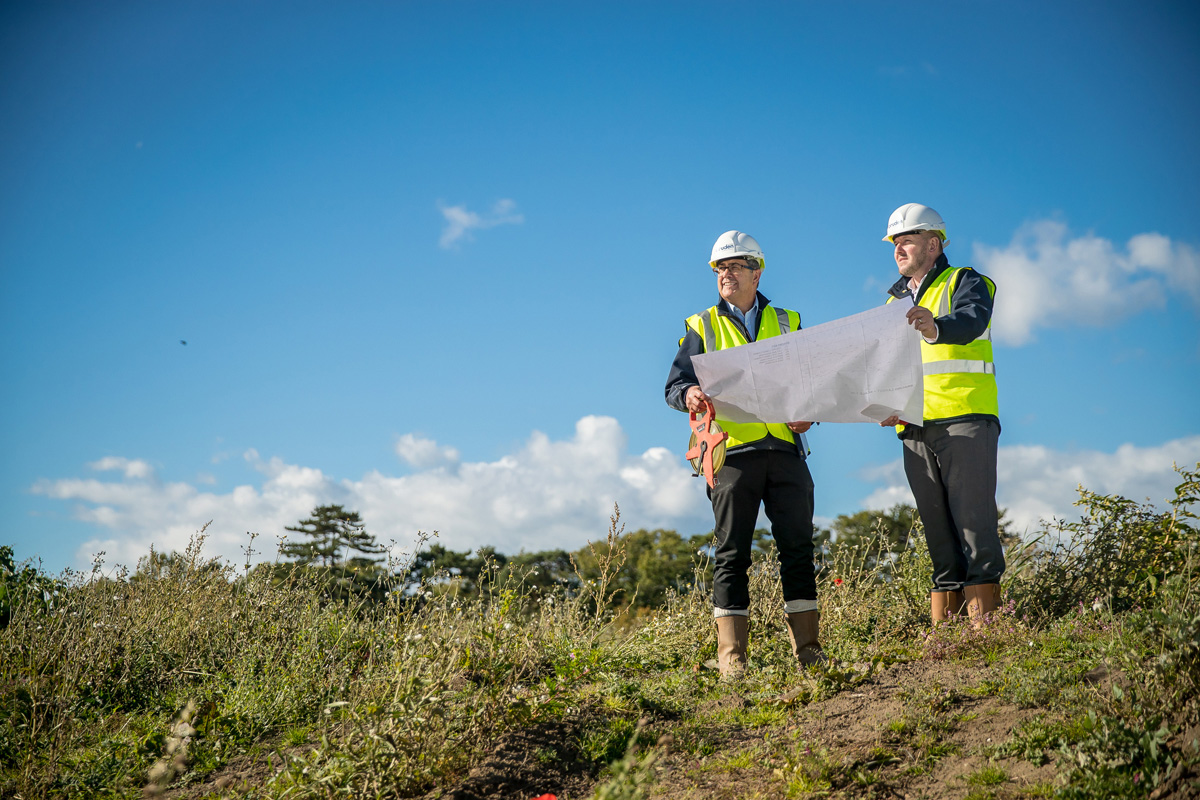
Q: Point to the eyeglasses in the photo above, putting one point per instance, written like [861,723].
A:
[736,268]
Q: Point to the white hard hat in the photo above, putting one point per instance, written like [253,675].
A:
[735,244]
[914,217]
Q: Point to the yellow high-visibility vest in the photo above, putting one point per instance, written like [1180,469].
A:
[960,379]
[718,333]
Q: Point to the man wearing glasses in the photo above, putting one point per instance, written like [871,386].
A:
[764,464]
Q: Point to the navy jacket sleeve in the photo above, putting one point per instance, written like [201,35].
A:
[682,377]
[970,310]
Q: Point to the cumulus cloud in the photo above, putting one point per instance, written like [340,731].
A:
[132,468]
[137,514]
[1091,281]
[1035,483]
[548,494]
[460,222]
[425,453]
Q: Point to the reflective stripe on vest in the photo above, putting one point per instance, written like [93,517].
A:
[785,322]
[960,379]
[720,333]
[958,365]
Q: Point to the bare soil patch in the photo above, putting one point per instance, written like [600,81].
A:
[526,763]
[235,779]
[850,734]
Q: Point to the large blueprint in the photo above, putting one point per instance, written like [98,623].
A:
[862,368]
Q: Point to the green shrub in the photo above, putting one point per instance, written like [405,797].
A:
[1115,557]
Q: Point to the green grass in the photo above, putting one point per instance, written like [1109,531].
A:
[110,683]
[987,776]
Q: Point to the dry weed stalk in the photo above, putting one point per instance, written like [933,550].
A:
[174,760]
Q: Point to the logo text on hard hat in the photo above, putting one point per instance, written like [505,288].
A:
[725,247]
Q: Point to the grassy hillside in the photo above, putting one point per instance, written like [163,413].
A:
[207,680]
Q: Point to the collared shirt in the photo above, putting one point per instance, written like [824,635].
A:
[748,319]
[970,306]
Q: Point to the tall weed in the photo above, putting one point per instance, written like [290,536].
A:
[1116,555]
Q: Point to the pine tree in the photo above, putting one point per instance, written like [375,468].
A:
[331,530]
[338,546]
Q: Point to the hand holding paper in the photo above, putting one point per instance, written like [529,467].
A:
[862,368]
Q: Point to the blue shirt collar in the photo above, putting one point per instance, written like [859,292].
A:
[749,319]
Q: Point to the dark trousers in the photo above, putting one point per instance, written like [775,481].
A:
[781,482]
[951,470]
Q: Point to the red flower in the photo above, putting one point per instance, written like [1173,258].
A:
[837,581]
[546,797]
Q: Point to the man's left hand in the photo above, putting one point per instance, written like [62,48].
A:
[921,318]
[799,427]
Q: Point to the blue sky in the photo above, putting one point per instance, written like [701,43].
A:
[432,260]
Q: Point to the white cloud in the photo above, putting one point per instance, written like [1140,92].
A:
[425,453]
[1036,483]
[460,222]
[131,468]
[138,514]
[1047,279]
[895,486]
[549,494]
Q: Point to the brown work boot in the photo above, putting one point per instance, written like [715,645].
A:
[982,600]
[802,629]
[733,634]
[945,606]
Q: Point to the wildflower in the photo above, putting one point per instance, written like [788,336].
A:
[837,581]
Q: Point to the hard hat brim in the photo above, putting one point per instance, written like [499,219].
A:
[762,262]
[941,233]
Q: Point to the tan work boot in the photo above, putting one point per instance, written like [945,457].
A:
[733,634]
[945,606]
[802,630]
[982,600]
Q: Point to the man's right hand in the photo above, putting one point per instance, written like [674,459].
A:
[892,421]
[696,399]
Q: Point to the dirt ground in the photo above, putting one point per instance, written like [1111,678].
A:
[234,780]
[851,728]
[529,763]
[853,733]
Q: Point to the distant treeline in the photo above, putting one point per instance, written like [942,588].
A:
[335,550]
